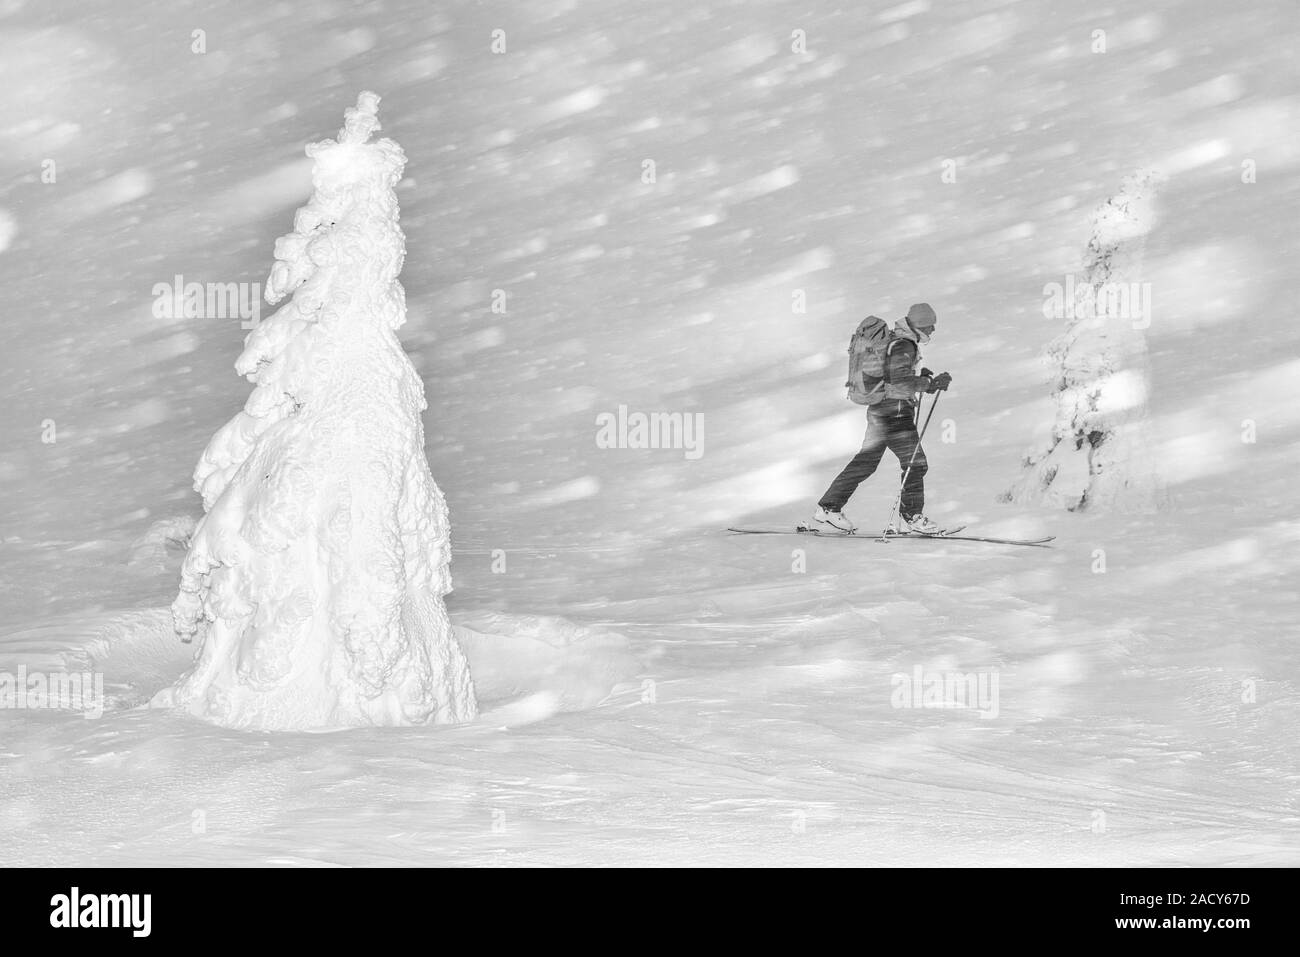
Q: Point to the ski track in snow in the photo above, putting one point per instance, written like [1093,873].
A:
[747,720]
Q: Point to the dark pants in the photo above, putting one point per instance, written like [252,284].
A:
[898,434]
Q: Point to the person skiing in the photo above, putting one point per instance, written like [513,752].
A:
[891,424]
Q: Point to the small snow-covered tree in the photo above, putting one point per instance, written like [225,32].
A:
[1098,456]
[315,581]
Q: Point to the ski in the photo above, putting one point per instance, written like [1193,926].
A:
[799,530]
[809,530]
[887,533]
[941,533]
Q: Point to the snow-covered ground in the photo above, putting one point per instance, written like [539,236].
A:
[653,690]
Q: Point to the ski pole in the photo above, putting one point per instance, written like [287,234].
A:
[893,511]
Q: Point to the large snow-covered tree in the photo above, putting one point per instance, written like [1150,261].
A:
[315,580]
[1098,456]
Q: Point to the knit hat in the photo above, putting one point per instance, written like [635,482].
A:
[921,314]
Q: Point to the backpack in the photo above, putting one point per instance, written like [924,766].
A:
[868,350]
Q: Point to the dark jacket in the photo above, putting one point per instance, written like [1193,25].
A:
[901,381]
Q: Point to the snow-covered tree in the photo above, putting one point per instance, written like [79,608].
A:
[1098,456]
[315,580]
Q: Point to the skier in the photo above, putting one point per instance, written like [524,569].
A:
[891,424]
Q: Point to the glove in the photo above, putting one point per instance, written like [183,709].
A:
[940,383]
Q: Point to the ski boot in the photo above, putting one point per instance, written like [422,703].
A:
[831,522]
[920,525]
